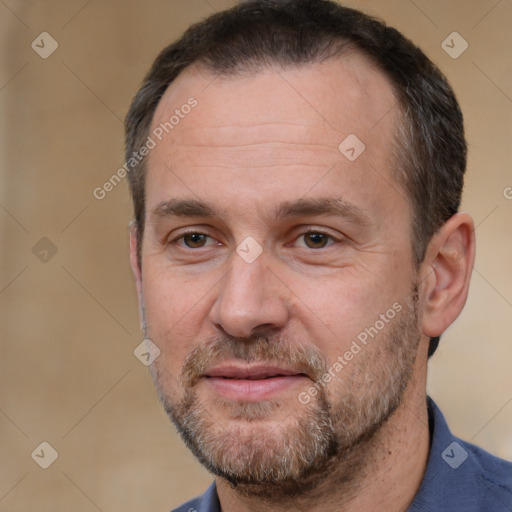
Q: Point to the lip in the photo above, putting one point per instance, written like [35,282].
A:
[252,383]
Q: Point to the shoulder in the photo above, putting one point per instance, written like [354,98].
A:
[461,476]
[493,473]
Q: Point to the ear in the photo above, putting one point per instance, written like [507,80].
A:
[447,269]
[134,260]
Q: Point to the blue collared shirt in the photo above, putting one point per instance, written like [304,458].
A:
[460,477]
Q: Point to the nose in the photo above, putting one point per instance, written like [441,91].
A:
[251,300]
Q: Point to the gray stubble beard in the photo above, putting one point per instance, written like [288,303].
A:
[331,441]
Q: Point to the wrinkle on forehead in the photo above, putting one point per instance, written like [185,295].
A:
[279,131]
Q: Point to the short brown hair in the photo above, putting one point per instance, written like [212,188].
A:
[431,147]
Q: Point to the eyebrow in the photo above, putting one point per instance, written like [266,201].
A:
[184,208]
[304,207]
[323,206]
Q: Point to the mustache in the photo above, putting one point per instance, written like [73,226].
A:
[276,350]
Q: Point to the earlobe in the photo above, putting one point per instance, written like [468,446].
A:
[450,258]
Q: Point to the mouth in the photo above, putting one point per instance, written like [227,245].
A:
[250,372]
[252,383]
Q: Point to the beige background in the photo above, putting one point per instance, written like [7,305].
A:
[68,375]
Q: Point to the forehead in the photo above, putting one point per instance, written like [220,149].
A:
[275,126]
[339,94]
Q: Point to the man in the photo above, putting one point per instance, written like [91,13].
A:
[296,169]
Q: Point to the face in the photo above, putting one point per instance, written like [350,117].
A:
[277,276]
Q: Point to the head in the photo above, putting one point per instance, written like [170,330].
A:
[301,207]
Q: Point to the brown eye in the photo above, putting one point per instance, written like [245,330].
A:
[195,240]
[316,240]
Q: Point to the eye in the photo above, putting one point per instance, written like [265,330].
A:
[315,240]
[194,240]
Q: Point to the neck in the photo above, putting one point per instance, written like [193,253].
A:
[388,478]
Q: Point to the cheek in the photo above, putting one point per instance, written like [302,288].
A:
[335,310]
[175,315]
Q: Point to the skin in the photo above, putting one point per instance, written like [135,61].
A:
[253,142]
